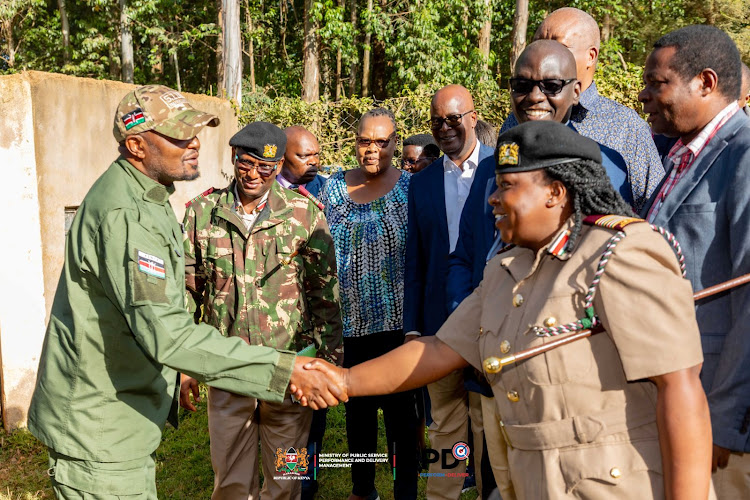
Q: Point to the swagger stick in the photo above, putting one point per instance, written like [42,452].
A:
[495,365]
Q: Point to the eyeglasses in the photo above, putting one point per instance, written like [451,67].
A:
[453,121]
[248,165]
[423,159]
[552,86]
[364,142]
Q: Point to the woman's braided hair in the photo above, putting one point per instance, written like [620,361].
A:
[590,190]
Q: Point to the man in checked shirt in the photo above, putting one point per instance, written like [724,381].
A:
[692,84]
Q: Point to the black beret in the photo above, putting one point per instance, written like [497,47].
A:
[540,144]
[262,140]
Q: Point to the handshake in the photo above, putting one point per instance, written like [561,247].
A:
[318,384]
[314,382]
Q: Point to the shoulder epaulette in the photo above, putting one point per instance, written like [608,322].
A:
[204,193]
[617,222]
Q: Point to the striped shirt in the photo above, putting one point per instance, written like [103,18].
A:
[682,156]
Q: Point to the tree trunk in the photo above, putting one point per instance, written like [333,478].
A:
[366,58]
[250,46]
[177,70]
[520,25]
[126,44]
[310,53]
[65,30]
[157,63]
[606,27]
[220,50]
[353,68]
[232,60]
[484,39]
[337,92]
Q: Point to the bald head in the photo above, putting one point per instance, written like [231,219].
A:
[537,53]
[455,136]
[745,92]
[579,32]
[302,156]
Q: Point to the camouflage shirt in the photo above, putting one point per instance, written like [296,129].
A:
[273,285]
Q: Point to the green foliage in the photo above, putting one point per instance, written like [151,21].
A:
[416,45]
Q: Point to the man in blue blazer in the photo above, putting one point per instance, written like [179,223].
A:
[692,83]
[436,200]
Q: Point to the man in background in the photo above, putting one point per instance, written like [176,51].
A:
[692,85]
[436,200]
[607,122]
[419,151]
[301,161]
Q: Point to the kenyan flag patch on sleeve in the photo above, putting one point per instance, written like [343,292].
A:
[151,265]
[133,118]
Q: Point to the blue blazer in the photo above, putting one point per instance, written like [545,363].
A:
[427,246]
[709,213]
[315,185]
[477,232]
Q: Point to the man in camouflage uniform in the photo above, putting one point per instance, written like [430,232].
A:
[260,261]
[118,330]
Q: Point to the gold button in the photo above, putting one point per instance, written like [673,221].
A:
[481,331]
[513,396]
[505,347]
[550,322]
[615,472]
[517,300]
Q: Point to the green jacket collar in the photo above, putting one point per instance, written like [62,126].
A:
[275,212]
[152,190]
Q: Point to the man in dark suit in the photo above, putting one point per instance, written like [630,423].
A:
[692,84]
[436,199]
[301,161]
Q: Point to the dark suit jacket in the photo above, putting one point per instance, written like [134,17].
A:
[709,213]
[427,246]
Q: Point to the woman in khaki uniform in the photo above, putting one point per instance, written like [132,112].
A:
[620,414]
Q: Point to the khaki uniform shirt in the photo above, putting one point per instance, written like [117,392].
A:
[273,284]
[581,419]
[119,329]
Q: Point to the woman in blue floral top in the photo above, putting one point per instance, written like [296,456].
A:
[366,211]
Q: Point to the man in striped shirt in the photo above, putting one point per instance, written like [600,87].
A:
[692,85]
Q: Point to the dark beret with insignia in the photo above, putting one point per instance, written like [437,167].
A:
[262,140]
[540,144]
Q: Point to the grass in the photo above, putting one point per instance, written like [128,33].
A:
[183,463]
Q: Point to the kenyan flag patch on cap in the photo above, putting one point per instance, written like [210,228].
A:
[151,265]
[133,118]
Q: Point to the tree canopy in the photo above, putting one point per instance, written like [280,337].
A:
[363,47]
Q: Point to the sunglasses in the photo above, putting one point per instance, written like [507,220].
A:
[262,169]
[552,86]
[452,121]
[363,142]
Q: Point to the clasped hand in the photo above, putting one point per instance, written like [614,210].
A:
[318,384]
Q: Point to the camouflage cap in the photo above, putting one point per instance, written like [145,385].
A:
[159,108]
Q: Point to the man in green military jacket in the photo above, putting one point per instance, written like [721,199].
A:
[119,330]
[260,261]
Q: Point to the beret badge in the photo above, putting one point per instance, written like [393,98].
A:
[269,151]
[508,154]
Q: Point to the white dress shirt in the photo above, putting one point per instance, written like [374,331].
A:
[457,185]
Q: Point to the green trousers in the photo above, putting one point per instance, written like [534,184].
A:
[75,479]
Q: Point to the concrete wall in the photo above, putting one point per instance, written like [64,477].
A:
[55,141]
